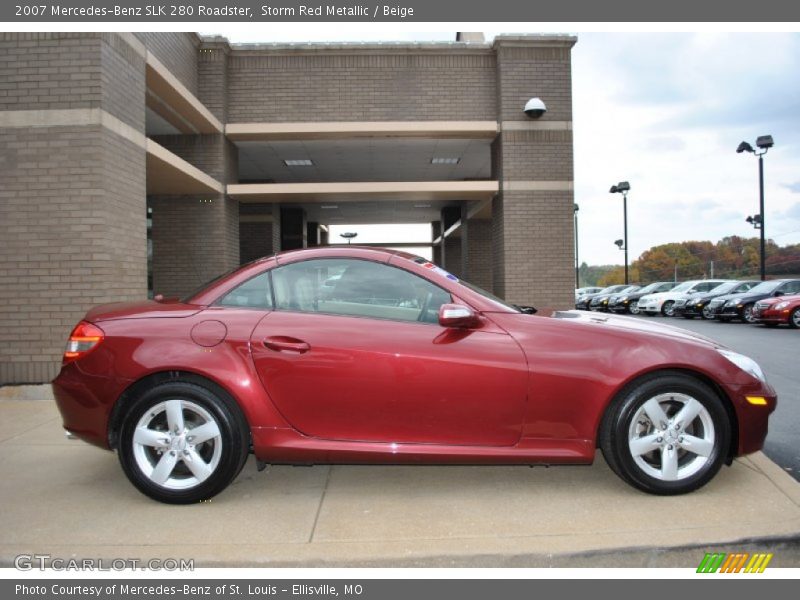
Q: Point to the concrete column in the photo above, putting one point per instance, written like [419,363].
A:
[72,190]
[436,231]
[293,228]
[450,249]
[312,234]
[532,249]
[479,251]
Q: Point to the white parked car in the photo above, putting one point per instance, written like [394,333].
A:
[664,302]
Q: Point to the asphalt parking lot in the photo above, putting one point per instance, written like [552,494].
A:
[777,350]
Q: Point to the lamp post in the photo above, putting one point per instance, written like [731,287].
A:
[764,143]
[623,187]
[575,210]
[348,235]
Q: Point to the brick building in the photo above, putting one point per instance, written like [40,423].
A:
[130,161]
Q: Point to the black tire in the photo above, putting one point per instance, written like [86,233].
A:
[228,458]
[614,435]
[794,318]
[747,314]
[667,309]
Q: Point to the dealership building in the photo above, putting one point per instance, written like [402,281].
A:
[136,163]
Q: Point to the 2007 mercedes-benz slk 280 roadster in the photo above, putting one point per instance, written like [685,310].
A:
[365,355]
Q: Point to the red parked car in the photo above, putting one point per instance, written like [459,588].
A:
[774,311]
[359,355]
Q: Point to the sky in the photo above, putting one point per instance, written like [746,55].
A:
[664,111]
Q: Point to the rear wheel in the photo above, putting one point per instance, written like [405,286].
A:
[794,318]
[668,308]
[181,443]
[666,434]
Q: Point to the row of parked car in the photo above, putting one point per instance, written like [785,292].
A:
[770,302]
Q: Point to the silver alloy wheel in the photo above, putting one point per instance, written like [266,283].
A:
[669,308]
[747,314]
[177,444]
[634,307]
[671,437]
[708,312]
[796,317]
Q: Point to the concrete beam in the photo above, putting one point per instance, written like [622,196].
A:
[360,129]
[169,174]
[363,190]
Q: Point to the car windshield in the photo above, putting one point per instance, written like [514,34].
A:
[724,288]
[765,287]
[487,295]
[683,286]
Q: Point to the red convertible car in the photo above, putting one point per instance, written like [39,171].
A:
[364,355]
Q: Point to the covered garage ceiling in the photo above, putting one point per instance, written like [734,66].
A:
[369,159]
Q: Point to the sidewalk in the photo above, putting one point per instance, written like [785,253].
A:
[68,499]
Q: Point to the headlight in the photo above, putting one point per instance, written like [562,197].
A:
[623,299]
[745,363]
[732,302]
[781,305]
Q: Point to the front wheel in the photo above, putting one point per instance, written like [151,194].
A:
[668,308]
[708,313]
[181,443]
[666,434]
[794,318]
[633,307]
[747,314]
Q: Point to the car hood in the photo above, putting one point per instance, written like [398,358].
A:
[634,325]
[779,299]
[141,310]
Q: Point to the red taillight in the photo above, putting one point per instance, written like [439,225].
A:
[83,339]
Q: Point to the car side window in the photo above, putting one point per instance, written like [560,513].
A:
[358,288]
[253,293]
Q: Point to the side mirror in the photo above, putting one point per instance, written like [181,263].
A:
[457,315]
[779,293]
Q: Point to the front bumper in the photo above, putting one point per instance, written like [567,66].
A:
[753,420]
[693,309]
[771,316]
[729,312]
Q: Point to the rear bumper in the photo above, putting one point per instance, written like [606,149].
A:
[85,403]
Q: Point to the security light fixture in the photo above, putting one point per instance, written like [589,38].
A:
[765,142]
[535,108]
[422,206]
[619,243]
[329,206]
[440,160]
[302,162]
[744,147]
[755,221]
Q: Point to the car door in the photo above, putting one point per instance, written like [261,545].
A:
[365,359]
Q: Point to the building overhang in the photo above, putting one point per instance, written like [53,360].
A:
[169,174]
[355,191]
[241,132]
[168,97]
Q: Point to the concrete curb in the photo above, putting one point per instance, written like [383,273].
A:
[37,392]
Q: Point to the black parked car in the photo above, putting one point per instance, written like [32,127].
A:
[740,306]
[600,301]
[584,301]
[699,305]
[628,302]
